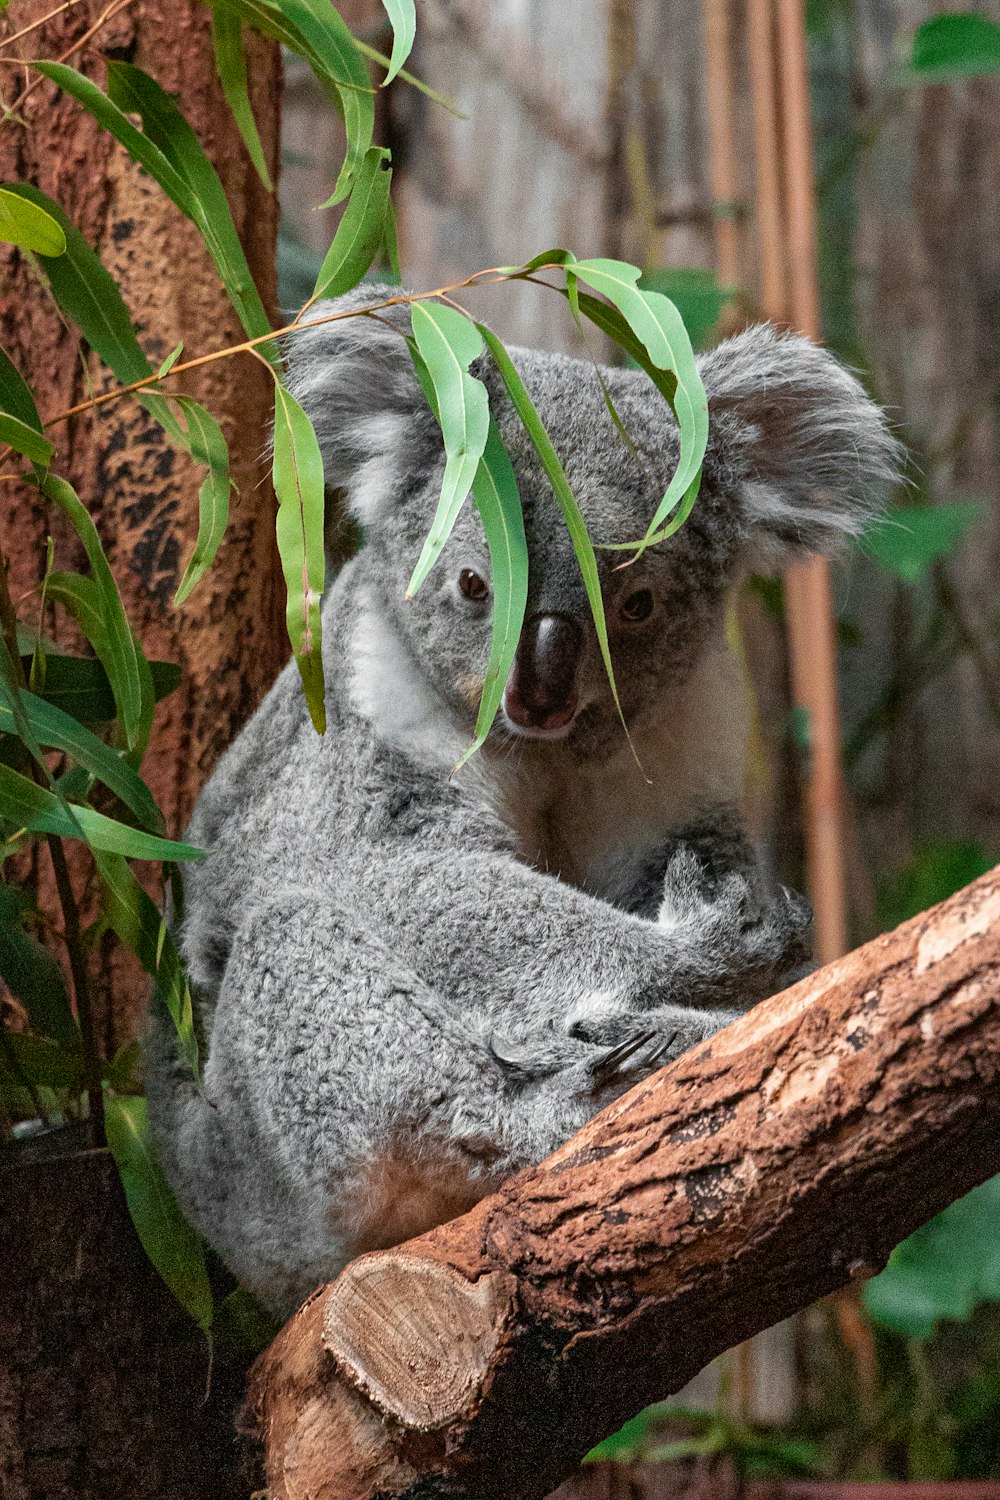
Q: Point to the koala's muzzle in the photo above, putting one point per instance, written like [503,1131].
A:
[541,696]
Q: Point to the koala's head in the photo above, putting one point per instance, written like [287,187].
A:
[797,458]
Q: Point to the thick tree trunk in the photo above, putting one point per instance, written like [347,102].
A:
[774,1163]
[143,495]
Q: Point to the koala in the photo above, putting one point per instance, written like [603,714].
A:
[409,984]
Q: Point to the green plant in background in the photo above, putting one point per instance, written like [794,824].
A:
[74,729]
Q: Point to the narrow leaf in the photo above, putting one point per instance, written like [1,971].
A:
[170,361]
[361,230]
[167,1238]
[30,971]
[26,805]
[556,474]
[80,686]
[27,225]
[231,66]
[133,915]
[51,727]
[403,15]
[448,343]
[297,473]
[207,444]
[15,394]
[658,326]
[120,654]
[496,497]
[25,439]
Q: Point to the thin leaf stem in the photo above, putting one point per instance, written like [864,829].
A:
[249,346]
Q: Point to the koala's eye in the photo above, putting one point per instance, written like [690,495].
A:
[473,587]
[637,607]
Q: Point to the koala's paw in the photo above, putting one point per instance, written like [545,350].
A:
[633,1044]
[736,927]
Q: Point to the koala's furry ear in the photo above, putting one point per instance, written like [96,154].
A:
[356,382]
[808,452]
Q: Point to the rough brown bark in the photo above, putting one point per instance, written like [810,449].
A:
[143,495]
[763,1169]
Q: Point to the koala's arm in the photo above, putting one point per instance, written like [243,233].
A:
[527,950]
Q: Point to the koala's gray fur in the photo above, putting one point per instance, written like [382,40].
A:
[408,986]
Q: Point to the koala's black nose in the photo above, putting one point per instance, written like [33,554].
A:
[541,693]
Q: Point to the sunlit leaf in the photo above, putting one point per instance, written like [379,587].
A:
[297,472]
[134,916]
[556,474]
[24,804]
[57,730]
[25,439]
[658,326]
[30,971]
[170,361]
[448,343]
[403,15]
[361,230]
[496,497]
[910,538]
[27,225]
[120,654]
[171,1244]
[231,66]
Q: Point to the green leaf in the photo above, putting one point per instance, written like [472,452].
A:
[203,197]
[952,47]
[170,361]
[15,394]
[939,867]
[403,15]
[208,446]
[80,687]
[25,439]
[120,654]
[27,225]
[944,1270]
[448,342]
[34,1059]
[133,915]
[297,473]
[610,321]
[361,230]
[244,1325]
[24,804]
[556,474]
[29,970]
[658,326]
[695,293]
[910,538]
[50,726]
[496,497]
[231,66]
[167,1238]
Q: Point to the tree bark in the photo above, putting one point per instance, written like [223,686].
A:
[778,1161]
[228,636]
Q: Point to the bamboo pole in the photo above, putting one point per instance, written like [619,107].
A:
[721,151]
[808,588]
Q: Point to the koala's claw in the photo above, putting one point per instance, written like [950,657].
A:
[645,1050]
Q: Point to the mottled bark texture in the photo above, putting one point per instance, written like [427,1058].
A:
[142,493]
[761,1170]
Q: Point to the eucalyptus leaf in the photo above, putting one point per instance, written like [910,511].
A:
[134,916]
[29,226]
[496,497]
[231,66]
[79,685]
[56,729]
[361,230]
[207,445]
[24,804]
[403,15]
[448,342]
[15,394]
[30,971]
[25,439]
[171,1244]
[556,474]
[297,472]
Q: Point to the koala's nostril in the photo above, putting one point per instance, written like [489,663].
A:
[541,690]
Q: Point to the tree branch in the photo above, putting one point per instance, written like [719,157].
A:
[761,1170]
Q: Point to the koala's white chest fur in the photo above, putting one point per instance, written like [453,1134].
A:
[592,824]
